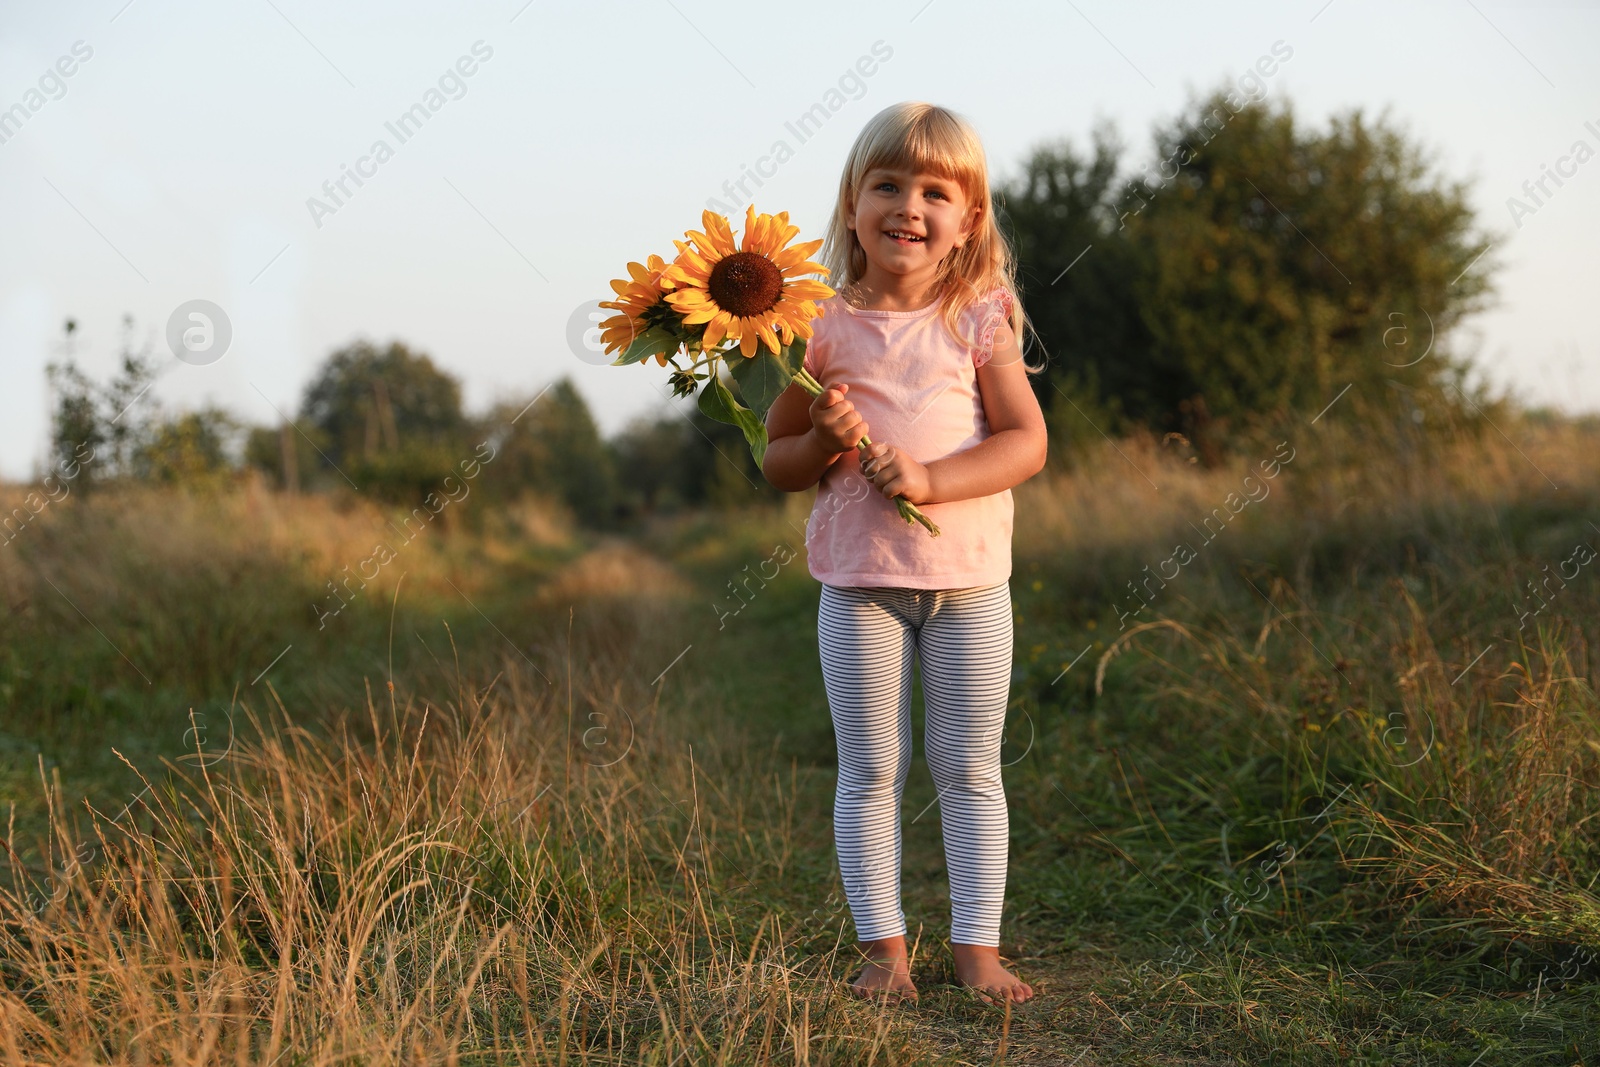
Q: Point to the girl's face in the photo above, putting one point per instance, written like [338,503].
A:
[907,223]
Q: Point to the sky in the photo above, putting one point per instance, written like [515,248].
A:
[194,150]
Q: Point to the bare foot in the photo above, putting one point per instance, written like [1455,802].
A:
[978,966]
[886,972]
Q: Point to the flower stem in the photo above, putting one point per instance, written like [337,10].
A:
[908,511]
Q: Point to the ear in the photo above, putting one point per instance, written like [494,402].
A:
[974,215]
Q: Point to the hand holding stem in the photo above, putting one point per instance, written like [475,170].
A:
[908,511]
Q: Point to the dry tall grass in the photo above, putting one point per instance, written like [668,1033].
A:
[469,872]
[517,865]
[429,884]
[1471,730]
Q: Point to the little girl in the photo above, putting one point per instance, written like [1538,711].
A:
[918,350]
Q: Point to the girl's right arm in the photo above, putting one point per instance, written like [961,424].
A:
[806,435]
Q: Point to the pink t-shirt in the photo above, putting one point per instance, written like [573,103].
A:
[917,388]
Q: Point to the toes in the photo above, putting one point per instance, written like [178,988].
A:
[1017,992]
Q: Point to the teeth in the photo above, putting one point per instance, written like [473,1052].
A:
[906,236]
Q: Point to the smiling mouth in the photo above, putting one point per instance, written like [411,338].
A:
[902,237]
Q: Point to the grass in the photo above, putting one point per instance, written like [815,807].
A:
[1327,795]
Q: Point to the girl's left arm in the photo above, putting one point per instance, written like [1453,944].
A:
[1014,452]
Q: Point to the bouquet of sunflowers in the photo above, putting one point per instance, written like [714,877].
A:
[718,300]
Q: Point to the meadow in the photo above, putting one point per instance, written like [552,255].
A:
[1303,768]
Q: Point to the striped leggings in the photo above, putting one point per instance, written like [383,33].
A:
[962,639]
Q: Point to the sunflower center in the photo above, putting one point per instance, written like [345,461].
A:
[745,283]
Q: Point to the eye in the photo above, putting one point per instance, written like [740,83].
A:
[883,185]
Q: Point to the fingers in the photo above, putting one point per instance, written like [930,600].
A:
[830,404]
[850,428]
[879,462]
[836,419]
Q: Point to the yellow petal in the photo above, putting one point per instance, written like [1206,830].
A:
[716,330]
[719,235]
[797,253]
[806,289]
[786,232]
[749,226]
[767,335]
[761,240]
[699,315]
[805,268]
[702,248]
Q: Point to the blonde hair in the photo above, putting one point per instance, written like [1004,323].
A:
[927,139]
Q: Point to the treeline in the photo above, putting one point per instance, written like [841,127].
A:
[1252,274]
[388,423]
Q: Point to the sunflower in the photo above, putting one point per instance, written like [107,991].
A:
[639,300]
[751,293]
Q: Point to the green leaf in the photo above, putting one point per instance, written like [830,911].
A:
[764,376]
[717,402]
[656,340]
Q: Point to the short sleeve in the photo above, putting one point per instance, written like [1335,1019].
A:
[816,357]
[996,312]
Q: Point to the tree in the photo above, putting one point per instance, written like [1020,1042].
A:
[1079,282]
[653,464]
[390,419]
[193,449]
[287,453]
[686,459]
[552,446]
[100,431]
[1262,265]
[119,431]
[725,475]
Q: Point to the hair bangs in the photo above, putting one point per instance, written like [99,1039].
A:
[929,142]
